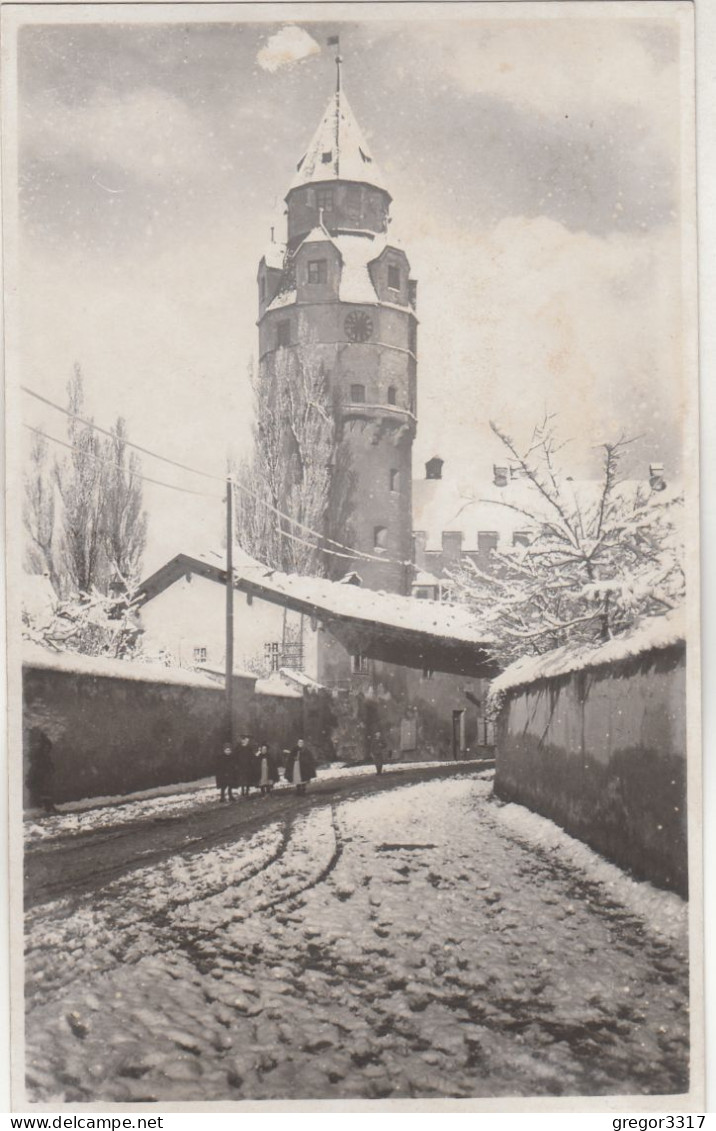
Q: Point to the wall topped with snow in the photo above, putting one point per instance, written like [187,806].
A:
[597,743]
[103,667]
[653,634]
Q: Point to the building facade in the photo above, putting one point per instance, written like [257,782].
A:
[337,294]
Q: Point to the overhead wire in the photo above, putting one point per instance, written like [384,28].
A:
[121,467]
[351,552]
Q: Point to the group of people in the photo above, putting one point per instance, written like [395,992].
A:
[244,767]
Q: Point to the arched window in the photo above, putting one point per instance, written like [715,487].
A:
[394,479]
[358,394]
[391,394]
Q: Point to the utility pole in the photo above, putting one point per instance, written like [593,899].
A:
[229,675]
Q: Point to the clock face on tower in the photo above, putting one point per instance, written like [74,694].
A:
[358,326]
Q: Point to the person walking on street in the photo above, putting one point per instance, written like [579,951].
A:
[300,767]
[244,765]
[377,751]
[268,772]
[41,772]
[225,770]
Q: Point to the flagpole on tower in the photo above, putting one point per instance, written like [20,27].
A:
[334,41]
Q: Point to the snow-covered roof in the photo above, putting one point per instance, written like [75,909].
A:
[270,685]
[652,634]
[357,251]
[301,679]
[33,656]
[422,577]
[283,298]
[274,255]
[374,607]
[338,150]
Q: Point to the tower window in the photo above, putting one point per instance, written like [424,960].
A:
[272,655]
[359,663]
[394,278]
[324,199]
[327,157]
[353,201]
[394,479]
[380,537]
[358,394]
[486,541]
[283,334]
[317,270]
[200,655]
[262,289]
[391,394]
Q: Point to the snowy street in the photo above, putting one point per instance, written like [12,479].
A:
[423,940]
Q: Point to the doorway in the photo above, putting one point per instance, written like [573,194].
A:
[458,733]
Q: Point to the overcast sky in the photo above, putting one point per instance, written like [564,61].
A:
[535,168]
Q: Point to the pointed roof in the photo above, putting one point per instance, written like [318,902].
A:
[338,150]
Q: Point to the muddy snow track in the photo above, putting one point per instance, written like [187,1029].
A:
[83,862]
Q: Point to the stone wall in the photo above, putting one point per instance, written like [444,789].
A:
[603,753]
[113,735]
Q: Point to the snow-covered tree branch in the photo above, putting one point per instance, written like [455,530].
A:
[600,557]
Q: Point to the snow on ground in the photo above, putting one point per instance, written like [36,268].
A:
[104,812]
[408,943]
[664,912]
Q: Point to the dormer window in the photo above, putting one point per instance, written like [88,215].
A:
[324,199]
[393,277]
[317,270]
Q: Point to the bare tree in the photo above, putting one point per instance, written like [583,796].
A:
[39,515]
[299,467]
[599,557]
[82,484]
[83,517]
[124,521]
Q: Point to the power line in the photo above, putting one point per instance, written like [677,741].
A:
[113,463]
[351,552]
[129,443]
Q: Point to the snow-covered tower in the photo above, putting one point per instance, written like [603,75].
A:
[340,288]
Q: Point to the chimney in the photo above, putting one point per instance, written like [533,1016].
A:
[500,475]
[656,477]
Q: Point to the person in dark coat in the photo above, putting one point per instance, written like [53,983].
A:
[268,771]
[244,765]
[300,766]
[226,772]
[377,752]
[41,771]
